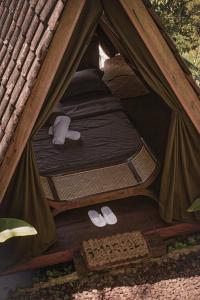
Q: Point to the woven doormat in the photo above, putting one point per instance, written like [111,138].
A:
[114,250]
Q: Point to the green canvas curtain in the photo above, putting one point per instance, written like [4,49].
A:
[25,198]
[105,42]
[181,174]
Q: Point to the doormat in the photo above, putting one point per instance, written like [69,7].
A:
[114,250]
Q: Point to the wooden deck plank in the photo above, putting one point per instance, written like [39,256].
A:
[175,230]
[41,261]
[74,226]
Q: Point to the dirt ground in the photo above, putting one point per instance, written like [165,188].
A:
[167,279]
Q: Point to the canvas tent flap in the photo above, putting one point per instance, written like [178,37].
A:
[180,177]
[24,198]
[106,43]
[164,58]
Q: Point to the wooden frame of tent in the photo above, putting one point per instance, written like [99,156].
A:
[150,35]
[145,23]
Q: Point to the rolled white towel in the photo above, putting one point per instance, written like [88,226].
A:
[73,135]
[50,132]
[60,129]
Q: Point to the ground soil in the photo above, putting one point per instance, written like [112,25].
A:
[167,279]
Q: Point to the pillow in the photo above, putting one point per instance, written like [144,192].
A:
[86,82]
[121,79]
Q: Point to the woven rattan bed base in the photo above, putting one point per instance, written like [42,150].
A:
[132,173]
[91,182]
[114,250]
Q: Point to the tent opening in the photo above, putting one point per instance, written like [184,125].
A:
[102,57]
[100,143]
[129,129]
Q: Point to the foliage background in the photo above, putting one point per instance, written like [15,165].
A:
[182,21]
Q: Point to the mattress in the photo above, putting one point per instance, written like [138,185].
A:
[107,138]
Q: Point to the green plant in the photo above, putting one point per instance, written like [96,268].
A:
[11,227]
[181,19]
[183,242]
[55,271]
[195,205]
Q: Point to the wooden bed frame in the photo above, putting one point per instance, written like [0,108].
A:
[59,207]
[142,159]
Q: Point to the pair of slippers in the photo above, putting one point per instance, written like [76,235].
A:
[106,217]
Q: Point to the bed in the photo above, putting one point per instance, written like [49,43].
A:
[110,161]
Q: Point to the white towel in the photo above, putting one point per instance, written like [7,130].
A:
[73,135]
[60,129]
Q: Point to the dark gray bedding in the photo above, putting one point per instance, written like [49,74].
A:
[93,108]
[107,137]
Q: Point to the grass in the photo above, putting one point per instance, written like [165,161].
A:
[183,242]
[44,274]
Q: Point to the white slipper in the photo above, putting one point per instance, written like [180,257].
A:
[96,218]
[109,215]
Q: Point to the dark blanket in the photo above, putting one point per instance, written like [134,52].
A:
[90,109]
[107,137]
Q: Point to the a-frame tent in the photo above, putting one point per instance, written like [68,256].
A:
[41,45]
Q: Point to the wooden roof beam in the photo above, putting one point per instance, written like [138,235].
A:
[164,57]
[60,41]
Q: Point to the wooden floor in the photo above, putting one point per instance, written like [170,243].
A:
[137,213]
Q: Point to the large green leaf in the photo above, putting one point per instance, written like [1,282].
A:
[10,227]
[195,206]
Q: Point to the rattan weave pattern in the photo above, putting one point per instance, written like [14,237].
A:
[86,183]
[93,182]
[46,188]
[116,249]
[144,164]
